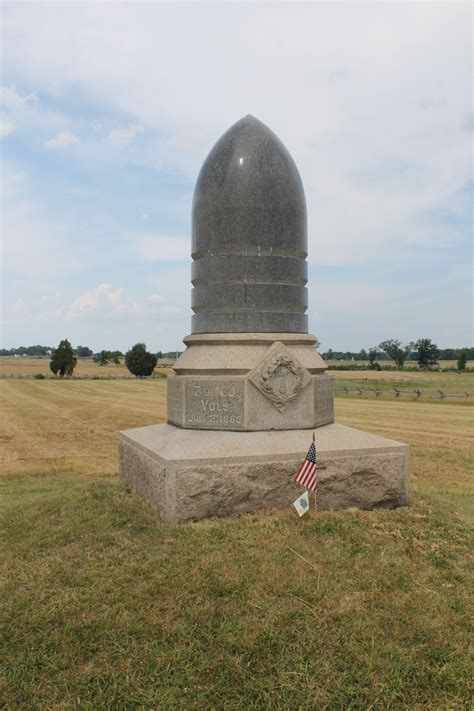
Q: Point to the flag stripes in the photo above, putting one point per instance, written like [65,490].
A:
[306,475]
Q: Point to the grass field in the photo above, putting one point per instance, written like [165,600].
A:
[107,607]
[10,365]
[429,383]
[409,364]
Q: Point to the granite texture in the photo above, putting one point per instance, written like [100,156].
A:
[232,298]
[239,353]
[189,474]
[250,383]
[323,400]
[249,242]
[245,321]
[236,403]
[245,269]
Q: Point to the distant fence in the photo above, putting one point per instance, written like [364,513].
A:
[416,394]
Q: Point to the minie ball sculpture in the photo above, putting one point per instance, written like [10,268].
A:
[250,388]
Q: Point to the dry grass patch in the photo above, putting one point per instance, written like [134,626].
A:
[108,607]
[71,426]
[30,366]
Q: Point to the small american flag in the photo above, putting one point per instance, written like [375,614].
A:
[306,475]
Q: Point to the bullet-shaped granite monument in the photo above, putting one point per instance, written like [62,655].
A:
[250,387]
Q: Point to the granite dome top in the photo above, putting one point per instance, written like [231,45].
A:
[249,236]
[249,197]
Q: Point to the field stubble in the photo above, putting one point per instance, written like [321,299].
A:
[106,606]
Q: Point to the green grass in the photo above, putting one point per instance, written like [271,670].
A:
[430,383]
[111,608]
[108,607]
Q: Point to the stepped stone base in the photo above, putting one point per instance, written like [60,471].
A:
[192,474]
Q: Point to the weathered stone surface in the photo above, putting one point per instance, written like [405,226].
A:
[239,353]
[261,412]
[207,403]
[323,400]
[190,474]
[247,382]
[280,377]
[249,236]
[235,403]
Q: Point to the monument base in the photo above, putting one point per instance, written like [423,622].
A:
[192,474]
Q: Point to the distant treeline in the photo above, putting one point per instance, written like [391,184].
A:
[84,352]
[80,351]
[27,350]
[444,354]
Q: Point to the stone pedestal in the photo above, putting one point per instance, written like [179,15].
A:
[251,381]
[192,474]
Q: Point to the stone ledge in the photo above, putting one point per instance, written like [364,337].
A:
[241,352]
[237,403]
[192,474]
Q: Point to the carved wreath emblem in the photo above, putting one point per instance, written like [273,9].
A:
[281,381]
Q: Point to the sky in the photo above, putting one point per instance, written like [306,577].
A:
[108,111]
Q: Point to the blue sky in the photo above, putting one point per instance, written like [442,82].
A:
[109,109]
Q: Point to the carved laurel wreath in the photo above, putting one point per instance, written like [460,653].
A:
[267,386]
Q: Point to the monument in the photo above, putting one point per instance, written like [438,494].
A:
[250,387]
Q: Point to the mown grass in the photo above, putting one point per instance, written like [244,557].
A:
[10,366]
[32,365]
[429,383]
[107,607]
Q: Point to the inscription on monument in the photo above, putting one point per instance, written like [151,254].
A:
[214,404]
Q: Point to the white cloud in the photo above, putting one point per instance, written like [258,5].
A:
[6,127]
[372,100]
[11,99]
[61,140]
[123,136]
[156,299]
[101,299]
[27,114]
[373,113]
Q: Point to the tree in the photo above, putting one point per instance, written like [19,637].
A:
[427,352]
[83,352]
[102,358]
[393,348]
[115,356]
[63,360]
[329,355]
[462,360]
[373,353]
[139,361]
